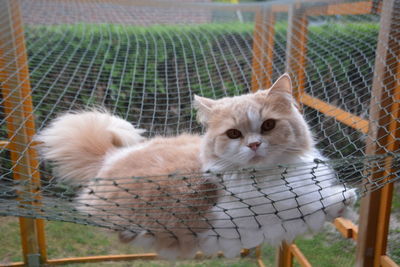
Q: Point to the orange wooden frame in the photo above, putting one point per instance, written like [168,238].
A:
[384,136]
[375,209]
[16,92]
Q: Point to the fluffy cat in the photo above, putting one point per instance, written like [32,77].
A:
[217,206]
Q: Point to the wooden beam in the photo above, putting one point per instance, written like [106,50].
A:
[4,144]
[145,256]
[257,51]
[260,262]
[357,8]
[284,256]
[245,252]
[263,50]
[384,136]
[299,256]
[14,264]
[268,49]
[280,8]
[343,227]
[346,227]
[16,93]
[339,114]
[276,7]
[387,262]
[296,48]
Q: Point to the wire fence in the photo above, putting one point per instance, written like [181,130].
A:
[109,194]
[145,62]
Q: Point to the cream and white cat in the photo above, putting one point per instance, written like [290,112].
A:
[201,211]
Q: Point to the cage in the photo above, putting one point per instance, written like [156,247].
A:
[145,60]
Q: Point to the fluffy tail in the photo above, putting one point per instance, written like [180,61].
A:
[77,142]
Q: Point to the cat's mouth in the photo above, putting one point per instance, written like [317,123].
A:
[256,158]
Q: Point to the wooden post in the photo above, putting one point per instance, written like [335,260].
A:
[16,92]
[295,66]
[257,52]
[284,257]
[263,50]
[296,48]
[383,137]
[259,260]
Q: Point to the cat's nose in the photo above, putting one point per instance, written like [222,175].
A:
[253,146]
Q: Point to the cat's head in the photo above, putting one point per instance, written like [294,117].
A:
[257,129]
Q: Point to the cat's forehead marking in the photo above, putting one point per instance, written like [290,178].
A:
[254,117]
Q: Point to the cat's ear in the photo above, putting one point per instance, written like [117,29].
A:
[283,84]
[204,107]
[280,92]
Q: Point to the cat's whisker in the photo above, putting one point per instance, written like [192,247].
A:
[285,150]
[221,164]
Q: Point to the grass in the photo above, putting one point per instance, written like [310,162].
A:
[83,28]
[326,248]
[396,201]
[72,240]
[394,232]
[10,249]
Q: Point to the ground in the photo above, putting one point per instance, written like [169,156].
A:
[326,249]
[67,240]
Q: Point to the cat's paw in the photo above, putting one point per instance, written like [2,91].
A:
[341,205]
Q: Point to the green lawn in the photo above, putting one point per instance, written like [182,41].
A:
[68,240]
[327,248]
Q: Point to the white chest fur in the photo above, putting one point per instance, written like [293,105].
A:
[272,206]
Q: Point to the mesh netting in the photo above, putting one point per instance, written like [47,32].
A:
[145,61]
[59,199]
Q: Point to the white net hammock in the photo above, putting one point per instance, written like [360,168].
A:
[145,61]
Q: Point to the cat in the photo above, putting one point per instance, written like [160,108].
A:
[214,200]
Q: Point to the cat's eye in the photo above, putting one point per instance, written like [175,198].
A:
[233,133]
[268,125]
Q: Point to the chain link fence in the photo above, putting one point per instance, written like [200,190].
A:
[145,61]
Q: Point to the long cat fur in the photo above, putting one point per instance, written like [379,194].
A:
[200,212]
